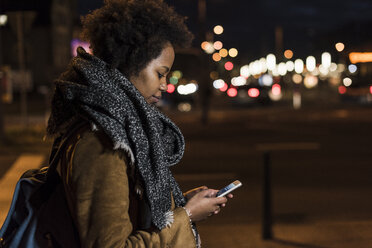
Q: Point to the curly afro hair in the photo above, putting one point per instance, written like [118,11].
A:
[128,34]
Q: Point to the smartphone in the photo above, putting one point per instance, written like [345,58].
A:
[229,188]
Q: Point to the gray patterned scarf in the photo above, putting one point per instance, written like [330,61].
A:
[92,89]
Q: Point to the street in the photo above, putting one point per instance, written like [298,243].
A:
[320,197]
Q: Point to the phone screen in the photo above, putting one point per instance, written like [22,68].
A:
[232,186]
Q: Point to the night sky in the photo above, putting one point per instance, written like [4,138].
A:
[249,25]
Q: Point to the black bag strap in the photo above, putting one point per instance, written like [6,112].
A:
[60,144]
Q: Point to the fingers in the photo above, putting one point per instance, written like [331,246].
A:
[208,193]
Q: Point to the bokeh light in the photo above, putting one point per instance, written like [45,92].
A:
[218,29]
[326,60]
[224,87]
[232,92]
[223,52]
[216,57]
[265,80]
[340,46]
[347,81]
[173,80]
[290,65]
[253,92]
[288,54]
[276,89]
[184,107]
[177,74]
[271,61]
[188,88]
[3,20]
[229,66]
[297,78]
[213,75]
[310,81]
[282,69]
[170,88]
[238,81]
[218,83]
[217,45]
[352,68]
[341,89]
[244,71]
[233,52]
[204,45]
[299,66]
[310,63]
[209,48]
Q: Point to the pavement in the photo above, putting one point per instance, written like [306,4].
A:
[321,197]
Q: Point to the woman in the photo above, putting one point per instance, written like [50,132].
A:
[116,174]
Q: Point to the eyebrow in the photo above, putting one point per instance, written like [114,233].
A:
[166,68]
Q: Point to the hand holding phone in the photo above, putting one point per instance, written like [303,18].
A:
[229,188]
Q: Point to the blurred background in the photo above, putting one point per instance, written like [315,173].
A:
[275,93]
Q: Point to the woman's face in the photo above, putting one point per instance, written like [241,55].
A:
[151,81]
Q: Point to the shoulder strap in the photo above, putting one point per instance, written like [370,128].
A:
[60,144]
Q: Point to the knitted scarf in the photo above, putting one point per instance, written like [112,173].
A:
[103,95]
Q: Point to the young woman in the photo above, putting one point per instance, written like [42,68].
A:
[116,173]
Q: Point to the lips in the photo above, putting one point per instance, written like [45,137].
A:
[155,99]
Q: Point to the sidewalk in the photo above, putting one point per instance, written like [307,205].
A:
[321,199]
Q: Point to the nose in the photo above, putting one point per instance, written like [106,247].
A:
[163,87]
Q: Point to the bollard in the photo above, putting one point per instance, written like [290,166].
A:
[266,197]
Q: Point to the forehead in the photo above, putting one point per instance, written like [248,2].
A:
[166,56]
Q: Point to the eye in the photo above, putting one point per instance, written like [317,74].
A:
[160,75]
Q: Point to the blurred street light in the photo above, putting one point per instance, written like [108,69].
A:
[213,75]
[238,81]
[229,66]
[3,20]
[347,81]
[204,45]
[299,66]
[253,92]
[310,63]
[216,57]
[288,54]
[223,52]
[341,89]
[217,45]
[310,81]
[224,87]
[233,52]
[266,80]
[297,78]
[170,88]
[218,83]
[360,57]
[352,68]
[218,29]
[271,62]
[282,69]
[290,65]
[244,71]
[340,46]
[326,60]
[177,74]
[232,92]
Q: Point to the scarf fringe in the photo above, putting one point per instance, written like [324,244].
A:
[126,148]
[169,218]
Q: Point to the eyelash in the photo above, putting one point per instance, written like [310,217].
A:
[160,75]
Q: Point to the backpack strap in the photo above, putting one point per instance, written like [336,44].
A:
[59,145]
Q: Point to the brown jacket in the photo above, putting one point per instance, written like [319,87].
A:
[97,184]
